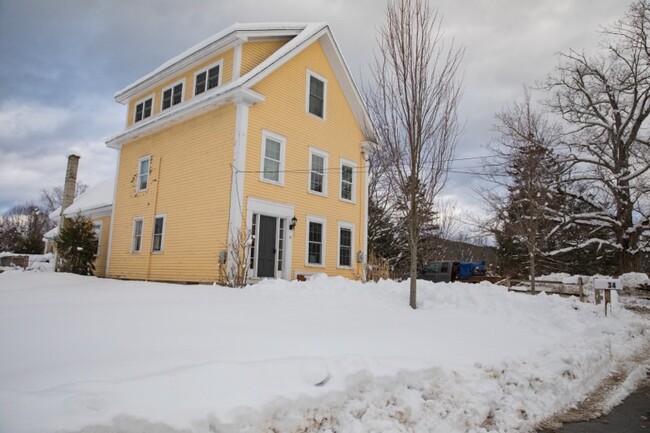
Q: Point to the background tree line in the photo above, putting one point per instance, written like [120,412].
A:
[22,227]
[575,194]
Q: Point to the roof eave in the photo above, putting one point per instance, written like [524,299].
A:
[184,112]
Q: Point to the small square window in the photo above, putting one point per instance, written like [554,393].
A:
[172,95]
[207,79]
[143,109]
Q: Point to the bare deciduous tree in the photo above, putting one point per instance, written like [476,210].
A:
[413,105]
[605,98]
[51,198]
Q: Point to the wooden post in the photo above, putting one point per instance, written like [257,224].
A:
[608,299]
[582,293]
[508,282]
[597,295]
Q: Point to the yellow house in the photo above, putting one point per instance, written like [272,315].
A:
[258,131]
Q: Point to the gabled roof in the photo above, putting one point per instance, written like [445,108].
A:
[302,35]
[96,200]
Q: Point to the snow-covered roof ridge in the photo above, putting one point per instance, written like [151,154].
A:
[96,199]
[221,40]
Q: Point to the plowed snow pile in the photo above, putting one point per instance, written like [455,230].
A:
[80,353]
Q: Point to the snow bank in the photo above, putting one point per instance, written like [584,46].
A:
[80,353]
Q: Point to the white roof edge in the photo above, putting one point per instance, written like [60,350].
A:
[217,42]
[231,91]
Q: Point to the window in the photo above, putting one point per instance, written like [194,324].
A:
[172,95]
[316,90]
[136,243]
[207,79]
[97,229]
[315,242]
[143,173]
[281,243]
[317,172]
[345,246]
[158,232]
[347,181]
[143,109]
[272,158]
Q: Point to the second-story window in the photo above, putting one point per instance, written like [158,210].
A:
[317,172]
[143,173]
[172,95]
[143,109]
[272,166]
[208,79]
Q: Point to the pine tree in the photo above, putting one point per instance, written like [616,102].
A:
[77,245]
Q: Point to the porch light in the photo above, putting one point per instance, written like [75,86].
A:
[294,221]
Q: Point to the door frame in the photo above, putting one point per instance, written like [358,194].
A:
[280,211]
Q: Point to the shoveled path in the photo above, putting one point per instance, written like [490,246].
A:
[631,416]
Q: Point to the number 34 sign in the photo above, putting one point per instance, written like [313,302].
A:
[607,284]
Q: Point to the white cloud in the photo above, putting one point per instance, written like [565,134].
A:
[22,119]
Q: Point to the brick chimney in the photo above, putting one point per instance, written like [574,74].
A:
[70,184]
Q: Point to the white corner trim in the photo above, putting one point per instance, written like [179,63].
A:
[110,233]
[238,175]
[236,64]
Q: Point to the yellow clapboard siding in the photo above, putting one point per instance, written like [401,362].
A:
[254,53]
[284,113]
[189,184]
[188,87]
[100,260]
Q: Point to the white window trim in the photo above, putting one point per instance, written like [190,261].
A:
[283,141]
[99,224]
[171,86]
[133,234]
[153,233]
[311,73]
[206,69]
[141,101]
[137,179]
[350,226]
[323,221]
[352,164]
[324,155]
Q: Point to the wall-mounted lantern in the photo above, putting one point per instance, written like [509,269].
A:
[294,221]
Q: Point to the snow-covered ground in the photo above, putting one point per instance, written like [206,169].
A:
[329,354]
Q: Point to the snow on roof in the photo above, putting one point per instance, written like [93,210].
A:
[51,234]
[95,199]
[221,40]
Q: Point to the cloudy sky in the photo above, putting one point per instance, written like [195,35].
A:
[61,61]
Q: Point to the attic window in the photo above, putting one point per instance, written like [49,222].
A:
[143,109]
[172,95]
[316,90]
[207,79]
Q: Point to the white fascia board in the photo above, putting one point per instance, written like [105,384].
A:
[185,111]
[348,85]
[220,42]
[175,66]
[91,213]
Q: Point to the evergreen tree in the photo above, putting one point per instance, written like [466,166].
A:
[77,245]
